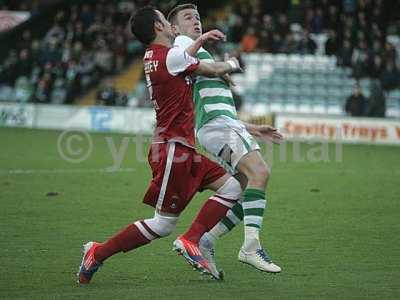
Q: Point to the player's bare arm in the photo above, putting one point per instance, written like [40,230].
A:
[212,35]
[227,78]
[218,68]
[265,132]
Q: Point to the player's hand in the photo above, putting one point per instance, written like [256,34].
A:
[268,133]
[233,61]
[228,79]
[213,35]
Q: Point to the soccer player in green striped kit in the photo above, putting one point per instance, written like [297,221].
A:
[231,142]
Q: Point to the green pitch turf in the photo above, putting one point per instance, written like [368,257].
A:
[332,226]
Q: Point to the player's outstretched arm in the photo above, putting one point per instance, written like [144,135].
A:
[212,35]
[226,77]
[265,132]
[218,68]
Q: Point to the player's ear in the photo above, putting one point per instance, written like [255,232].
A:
[158,26]
[175,29]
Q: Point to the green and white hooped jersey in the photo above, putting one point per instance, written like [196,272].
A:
[212,96]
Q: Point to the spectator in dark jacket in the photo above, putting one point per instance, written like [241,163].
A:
[345,54]
[356,103]
[390,76]
[332,44]
[377,103]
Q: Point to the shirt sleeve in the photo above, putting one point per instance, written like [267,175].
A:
[179,61]
[183,41]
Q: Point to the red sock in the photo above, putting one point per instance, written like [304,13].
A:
[209,215]
[127,239]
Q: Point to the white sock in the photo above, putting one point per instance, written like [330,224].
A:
[207,240]
[218,230]
[251,239]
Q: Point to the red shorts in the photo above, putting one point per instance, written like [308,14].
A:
[178,173]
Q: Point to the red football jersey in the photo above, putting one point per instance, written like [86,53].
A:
[168,79]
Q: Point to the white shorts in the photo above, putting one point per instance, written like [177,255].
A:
[227,140]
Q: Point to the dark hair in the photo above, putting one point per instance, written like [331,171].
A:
[142,24]
[172,14]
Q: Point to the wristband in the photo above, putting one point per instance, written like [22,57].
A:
[232,64]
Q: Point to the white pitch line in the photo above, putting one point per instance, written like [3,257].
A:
[66,171]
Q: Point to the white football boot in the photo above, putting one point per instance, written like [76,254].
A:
[258,259]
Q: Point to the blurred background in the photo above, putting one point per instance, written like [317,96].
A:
[330,57]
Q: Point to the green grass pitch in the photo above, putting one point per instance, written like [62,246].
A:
[332,226]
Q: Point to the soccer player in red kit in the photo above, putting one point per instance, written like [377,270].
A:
[179,172]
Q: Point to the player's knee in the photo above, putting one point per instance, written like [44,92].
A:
[161,225]
[259,174]
[231,189]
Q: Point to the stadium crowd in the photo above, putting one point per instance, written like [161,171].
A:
[88,42]
[356,32]
[85,43]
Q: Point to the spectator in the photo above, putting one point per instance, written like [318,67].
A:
[349,6]
[268,24]
[288,46]
[283,26]
[72,77]
[87,70]
[306,45]
[356,103]
[120,50]
[24,64]
[42,92]
[377,103]
[317,22]
[390,76]
[236,31]
[26,40]
[107,94]
[51,53]
[56,33]
[122,99]
[265,42]
[276,43]
[332,44]
[66,52]
[104,59]
[376,67]
[360,60]
[10,68]
[23,89]
[309,15]
[376,48]
[249,41]
[332,19]
[87,15]
[35,50]
[345,54]
[59,93]
[79,34]
[390,52]
[76,52]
